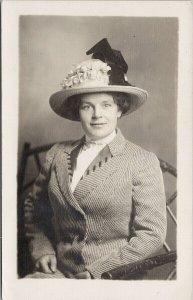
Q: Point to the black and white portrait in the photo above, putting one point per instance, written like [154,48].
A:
[97,148]
[99,201]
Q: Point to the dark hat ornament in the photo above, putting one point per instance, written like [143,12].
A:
[103,51]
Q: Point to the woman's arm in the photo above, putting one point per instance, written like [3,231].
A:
[149,222]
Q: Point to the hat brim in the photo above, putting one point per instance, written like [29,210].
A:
[58,101]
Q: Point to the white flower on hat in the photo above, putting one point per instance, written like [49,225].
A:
[93,69]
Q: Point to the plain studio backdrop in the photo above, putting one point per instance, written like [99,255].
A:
[49,47]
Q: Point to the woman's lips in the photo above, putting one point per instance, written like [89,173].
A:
[97,124]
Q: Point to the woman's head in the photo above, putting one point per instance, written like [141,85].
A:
[98,112]
[98,115]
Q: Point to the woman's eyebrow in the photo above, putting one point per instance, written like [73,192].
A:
[85,102]
[105,101]
[93,103]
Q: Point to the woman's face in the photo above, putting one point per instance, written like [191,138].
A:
[98,115]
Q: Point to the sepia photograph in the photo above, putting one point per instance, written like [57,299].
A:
[97,149]
[103,91]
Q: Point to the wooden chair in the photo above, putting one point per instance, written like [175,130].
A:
[164,260]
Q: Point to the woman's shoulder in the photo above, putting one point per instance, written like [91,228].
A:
[140,155]
[60,146]
[63,144]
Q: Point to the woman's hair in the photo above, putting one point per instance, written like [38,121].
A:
[122,101]
[73,103]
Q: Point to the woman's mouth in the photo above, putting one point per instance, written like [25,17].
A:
[97,124]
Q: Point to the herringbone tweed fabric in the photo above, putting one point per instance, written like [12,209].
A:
[116,215]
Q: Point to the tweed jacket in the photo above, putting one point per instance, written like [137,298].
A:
[115,216]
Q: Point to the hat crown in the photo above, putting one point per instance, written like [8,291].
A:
[92,72]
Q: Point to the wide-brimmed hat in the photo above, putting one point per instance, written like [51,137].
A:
[105,72]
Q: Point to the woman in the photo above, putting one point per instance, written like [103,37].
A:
[98,202]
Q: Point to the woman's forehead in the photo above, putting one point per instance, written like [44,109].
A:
[96,97]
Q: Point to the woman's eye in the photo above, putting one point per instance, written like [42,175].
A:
[85,107]
[107,105]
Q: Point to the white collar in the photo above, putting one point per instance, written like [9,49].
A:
[104,141]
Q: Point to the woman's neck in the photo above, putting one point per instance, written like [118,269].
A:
[105,140]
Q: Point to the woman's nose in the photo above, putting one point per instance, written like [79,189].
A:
[97,112]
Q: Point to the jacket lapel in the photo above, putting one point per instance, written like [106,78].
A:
[102,167]
[103,156]
[63,166]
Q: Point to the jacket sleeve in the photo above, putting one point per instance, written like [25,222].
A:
[149,221]
[38,212]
